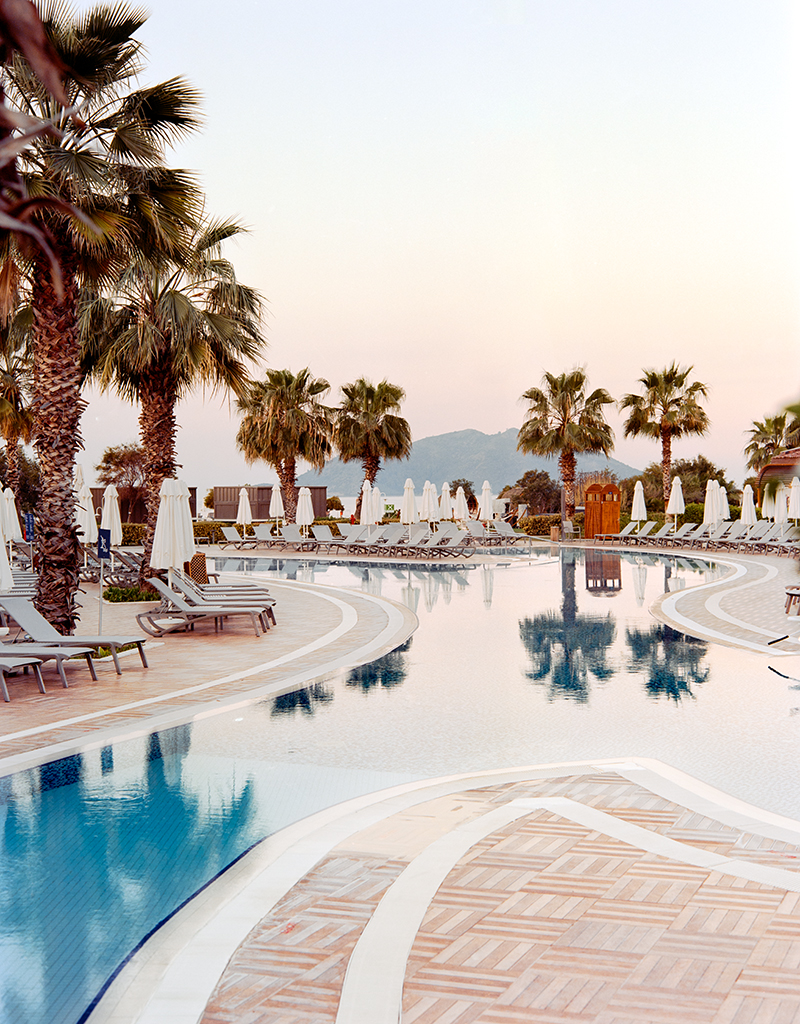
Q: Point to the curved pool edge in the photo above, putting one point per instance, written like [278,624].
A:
[350,644]
[172,977]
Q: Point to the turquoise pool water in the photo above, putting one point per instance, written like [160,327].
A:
[548,660]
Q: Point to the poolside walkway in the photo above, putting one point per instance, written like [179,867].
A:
[607,892]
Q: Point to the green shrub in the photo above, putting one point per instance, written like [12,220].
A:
[539,526]
[120,594]
[132,534]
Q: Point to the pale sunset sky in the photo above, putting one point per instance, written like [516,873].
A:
[458,195]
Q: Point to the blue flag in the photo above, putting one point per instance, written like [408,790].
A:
[104,543]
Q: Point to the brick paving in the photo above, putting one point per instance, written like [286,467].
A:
[544,920]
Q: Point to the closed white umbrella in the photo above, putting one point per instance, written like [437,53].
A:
[305,509]
[11,525]
[434,514]
[676,505]
[781,504]
[378,505]
[639,509]
[185,512]
[366,518]
[768,504]
[408,506]
[111,518]
[244,513]
[794,499]
[486,503]
[724,507]
[425,503]
[172,541]
[749,516]
[6,578]
[276,510]
[711,505]
[77,478]
[445,503]
[84,516]
[460,510]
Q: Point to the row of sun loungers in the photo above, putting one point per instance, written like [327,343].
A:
[189,603]
[761,538]
[394,540]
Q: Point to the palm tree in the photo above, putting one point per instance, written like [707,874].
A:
[16,418]
[768,438]
[285,420]
[667,409]
[107,164]
[166,329]
[564,421]
[368,428]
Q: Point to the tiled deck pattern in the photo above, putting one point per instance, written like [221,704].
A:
[543,921]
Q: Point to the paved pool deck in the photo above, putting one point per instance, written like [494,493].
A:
[602,892]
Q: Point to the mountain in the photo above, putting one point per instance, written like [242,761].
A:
[463,453]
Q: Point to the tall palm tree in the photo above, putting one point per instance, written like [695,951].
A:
[16,372]
[107,164]
[166,329]
[668,409]
[285,420]
[368,428]
[768,438]
[564,421]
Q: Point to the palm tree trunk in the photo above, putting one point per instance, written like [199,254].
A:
[12,463]
[57,408]
[666,461]
[372,464]
[157,430]
[566,464]
[287,474]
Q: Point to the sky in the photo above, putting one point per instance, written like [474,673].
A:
[459,196]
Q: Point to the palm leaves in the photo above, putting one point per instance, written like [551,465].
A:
[107,165]
[770,437]
[368,429]
[563,420]
[669,408]
[285,420]
[166,328]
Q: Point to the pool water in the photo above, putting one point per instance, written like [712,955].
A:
[537,660]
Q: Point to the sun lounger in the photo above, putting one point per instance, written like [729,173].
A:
[230,535]
[479,535]
[603,538]
[40,631]
[11,665]
[675,540]
[324,538]
[239,599]
[175,613]
[711,532]
[43,652]
[642,536]
[649,538]
[508,534]
[408,543]
[733,536]
[292,537]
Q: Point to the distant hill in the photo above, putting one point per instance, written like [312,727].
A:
[463,453]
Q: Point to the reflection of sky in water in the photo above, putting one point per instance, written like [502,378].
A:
[513,664]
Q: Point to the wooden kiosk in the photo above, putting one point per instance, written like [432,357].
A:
[601,509]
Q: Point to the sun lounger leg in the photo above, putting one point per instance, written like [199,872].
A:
[142,655]
[90,663]
[37,671]
[62,673]
[116,659]
[6,697]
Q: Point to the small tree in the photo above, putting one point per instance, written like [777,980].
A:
[208,501]
[536,489]
[124,466]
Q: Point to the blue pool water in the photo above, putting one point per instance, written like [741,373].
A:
[529,662]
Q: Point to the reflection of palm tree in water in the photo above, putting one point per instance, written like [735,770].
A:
[567,649]
[671,660]
[302,700]
[388,671]
[112,863]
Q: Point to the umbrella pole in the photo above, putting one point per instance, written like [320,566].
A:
[100,602]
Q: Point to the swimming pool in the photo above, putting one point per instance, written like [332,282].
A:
[522,663]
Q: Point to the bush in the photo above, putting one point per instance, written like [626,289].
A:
[132,534]
[334,502]
[119,594]
[539,526]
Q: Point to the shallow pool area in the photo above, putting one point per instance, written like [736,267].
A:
[525,662]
